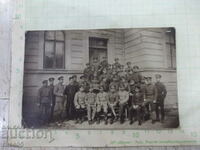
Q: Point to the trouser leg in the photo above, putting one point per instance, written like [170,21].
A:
[121,112]
[89,113]
[162,111]
[93,112]
[157,111]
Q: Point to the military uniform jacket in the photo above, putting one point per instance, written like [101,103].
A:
[113,98]
[91,98]
[85,85]
[128,69]
[102,98]
[58,90]
[123,96]
[150,92]
[44,95]
[137,77]
[79,99]
[161,90]
[138,99]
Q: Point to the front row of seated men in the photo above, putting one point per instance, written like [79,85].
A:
[136,102]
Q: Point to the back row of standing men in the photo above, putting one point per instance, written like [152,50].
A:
[102,88]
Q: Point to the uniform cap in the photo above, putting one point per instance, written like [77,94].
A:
[87,64]
[135,67]
[71,77]
[51,79]
[116,58]
[81,77]
[158,76]
[45,81]
[128,62]
[148,78]
[61,77]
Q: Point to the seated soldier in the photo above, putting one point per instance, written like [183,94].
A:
[102,105]
[125,82]
[113,99]
[91,105]
[84,83]
[105,84]
[123,101]
[115,82]
[116,66]
[136,76]
[80,105]
[128,68]
[136,108]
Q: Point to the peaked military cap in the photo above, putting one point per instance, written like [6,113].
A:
[158,76]
[61,77]
[51,79]
[45,81]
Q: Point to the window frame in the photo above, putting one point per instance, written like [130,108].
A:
[171,44]
[54,45]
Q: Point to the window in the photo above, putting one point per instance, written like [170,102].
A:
[171,48]
[97,49]
[54,50]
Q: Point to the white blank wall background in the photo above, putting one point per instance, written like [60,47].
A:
[187,10]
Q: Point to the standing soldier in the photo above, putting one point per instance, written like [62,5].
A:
[102,104]
[69,92]
[51,86]
[143,85]
[103,64]
[123,100]
[75,81]
[59,99]
[88,73]
[44,98]
[161,94]
[105,84]
[136,107]
[91,105]
[113,99]
[117,65]
[150,96]
[80,105]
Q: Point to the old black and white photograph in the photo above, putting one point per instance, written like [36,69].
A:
[100,79]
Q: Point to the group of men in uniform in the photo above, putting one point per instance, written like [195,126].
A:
[104,91]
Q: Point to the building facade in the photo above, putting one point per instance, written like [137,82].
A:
[55,53]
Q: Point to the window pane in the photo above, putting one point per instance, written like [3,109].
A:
[49,35]
[59,36]
[60,55]
[49,55]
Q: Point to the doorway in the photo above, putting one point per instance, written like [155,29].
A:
[97,49]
